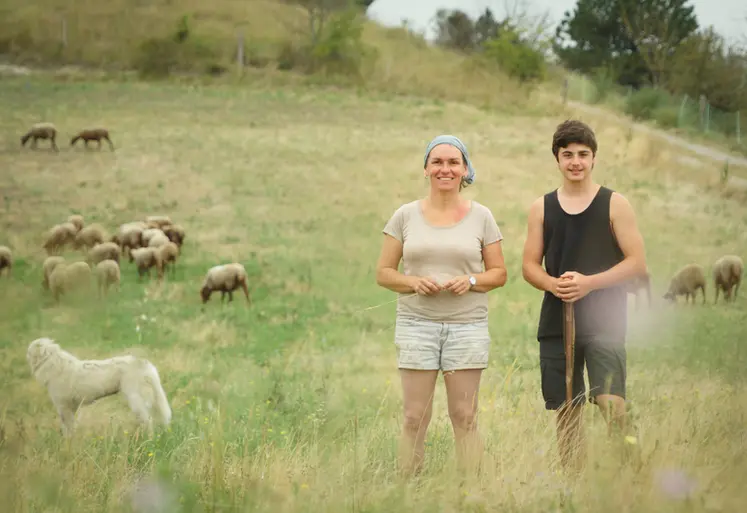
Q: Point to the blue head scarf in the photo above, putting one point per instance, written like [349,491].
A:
[454,141]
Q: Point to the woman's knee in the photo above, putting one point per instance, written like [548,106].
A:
[416,418]
[464,415]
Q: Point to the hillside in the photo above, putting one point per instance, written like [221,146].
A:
[108,35]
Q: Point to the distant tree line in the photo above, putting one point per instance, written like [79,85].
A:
[638,43]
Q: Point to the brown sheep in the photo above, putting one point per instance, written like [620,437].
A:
[69,276]
[48,266]
[41,131]
[157,221]
[145,258]
[93,134]
[169,253]
[77,221]
[638,283]
[104,251]
[687,281]
[149,233]
[727,275]
[59,236]
[129,236]
[88,237]
[6,259]
[175,233]
[107,274]
[158,240]
[226,278]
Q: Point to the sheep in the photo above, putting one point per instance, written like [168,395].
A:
[129,236]
[6,259]
[77,221]
[727,275]
[157,221]
[68,276]
[59,236]
[175,233]
[93,134]
[41,131]
[107,274]
[226,278]
[48,266]
[88,237]
[687,281]
[158,240]
[145,258]
[169,253]
[638,283]
[104,251]
[149,233]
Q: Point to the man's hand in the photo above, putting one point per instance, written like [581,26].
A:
[572,286]
[457,285]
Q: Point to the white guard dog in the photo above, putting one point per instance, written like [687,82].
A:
[72,382]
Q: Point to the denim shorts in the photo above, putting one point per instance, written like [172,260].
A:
[429,345]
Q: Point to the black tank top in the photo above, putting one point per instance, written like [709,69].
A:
[583,243]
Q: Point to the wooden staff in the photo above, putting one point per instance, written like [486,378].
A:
[569,342]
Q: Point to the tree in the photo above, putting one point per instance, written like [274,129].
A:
[624,36]
[656,28]
[455,29]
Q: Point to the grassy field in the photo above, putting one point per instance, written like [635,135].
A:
[292,403]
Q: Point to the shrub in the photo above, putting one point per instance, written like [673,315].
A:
[643,103]
[515,57]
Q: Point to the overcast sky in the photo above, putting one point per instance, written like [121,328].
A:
[728,17]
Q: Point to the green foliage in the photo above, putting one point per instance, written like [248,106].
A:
[178,52]
[643,103]
[516,57]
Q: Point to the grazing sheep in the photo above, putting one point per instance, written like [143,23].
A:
[107,274]
[687,281]
[158,240]
[72,383]
[638,283]
[88,237]
[145,258]
[6,259]
[149,233]
[175,233]
[59,236]
[93,134]
[104,251]
[157,221]
[169,253]
[48,266]
[226,278]
[129,236]
[68,276]
[727,275]
[77,221]
[41,131]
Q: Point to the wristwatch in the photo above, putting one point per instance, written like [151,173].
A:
[472,281]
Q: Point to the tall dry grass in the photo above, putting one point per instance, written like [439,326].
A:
[293,403]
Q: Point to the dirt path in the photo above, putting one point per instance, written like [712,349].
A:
[704,151]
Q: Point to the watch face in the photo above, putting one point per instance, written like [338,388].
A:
[472,280]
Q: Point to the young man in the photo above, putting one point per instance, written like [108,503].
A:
[589,239]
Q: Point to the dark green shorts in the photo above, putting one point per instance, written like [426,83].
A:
[605,364]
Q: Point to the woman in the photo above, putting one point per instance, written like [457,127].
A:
[444,241]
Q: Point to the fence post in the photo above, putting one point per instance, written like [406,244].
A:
[701,111]
[565,91]
[240,53]
[64,32]
[739,133]
[681,114]
[708,116]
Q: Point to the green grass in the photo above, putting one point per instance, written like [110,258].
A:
[292,403]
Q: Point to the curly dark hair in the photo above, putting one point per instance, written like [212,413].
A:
[573,131]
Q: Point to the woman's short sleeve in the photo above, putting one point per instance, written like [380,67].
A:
[492,231]
[395,225]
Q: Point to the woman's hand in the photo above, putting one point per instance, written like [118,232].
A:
[425,286]
[458,285]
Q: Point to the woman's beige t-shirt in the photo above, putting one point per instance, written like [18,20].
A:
[442,253]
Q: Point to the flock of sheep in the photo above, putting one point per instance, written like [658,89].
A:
[155,242]
[726,274]
[47,131]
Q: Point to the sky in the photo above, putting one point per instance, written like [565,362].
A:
[728,17]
